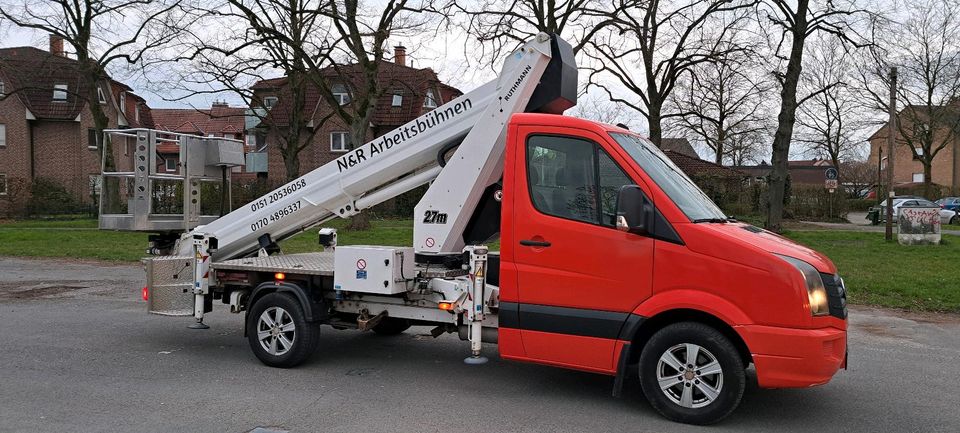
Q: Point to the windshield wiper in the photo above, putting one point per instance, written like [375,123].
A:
[710,220]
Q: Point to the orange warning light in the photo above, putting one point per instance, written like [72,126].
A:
[445,305]
[280,276]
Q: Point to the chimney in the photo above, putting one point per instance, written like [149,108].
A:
[220,104]
[56,46]
[400,55]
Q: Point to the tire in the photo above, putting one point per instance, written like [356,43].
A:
[698,396]
[282,346]
[955,220]
[391,326]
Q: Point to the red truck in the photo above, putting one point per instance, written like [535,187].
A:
[611,257]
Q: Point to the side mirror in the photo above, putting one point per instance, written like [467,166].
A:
[634,210]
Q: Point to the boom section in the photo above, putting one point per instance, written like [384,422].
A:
[389,165]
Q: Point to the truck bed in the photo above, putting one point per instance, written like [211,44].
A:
[319,263]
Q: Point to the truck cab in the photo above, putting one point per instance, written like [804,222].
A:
[610,255]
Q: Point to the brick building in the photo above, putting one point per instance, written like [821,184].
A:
[410,93]
[46,129]
[801,172]
[908,170]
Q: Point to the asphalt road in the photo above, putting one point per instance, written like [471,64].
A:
[79,353]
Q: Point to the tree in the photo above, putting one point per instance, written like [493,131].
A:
[257,38]
[664,39]
[793,22]
[721,104]
[502,25]
[859,177]
[925,48]
[101,33]
[831,117]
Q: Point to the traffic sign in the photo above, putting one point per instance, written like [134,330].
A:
[831,184]
[830,173]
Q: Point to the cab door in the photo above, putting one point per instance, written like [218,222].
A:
[578,277]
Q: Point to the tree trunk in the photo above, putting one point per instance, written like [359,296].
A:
[721,136]
[928,178]
[653,121]
[786,119]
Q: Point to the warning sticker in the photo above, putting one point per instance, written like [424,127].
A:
[361,264]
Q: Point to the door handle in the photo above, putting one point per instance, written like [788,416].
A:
[530,243]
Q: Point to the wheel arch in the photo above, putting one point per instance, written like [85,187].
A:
[298,292]
[651,325]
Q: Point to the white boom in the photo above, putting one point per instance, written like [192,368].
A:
[394,163]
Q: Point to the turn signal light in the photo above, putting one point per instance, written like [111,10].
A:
[279,276]
[145,293]
[445,305]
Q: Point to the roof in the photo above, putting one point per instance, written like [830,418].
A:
[219,119]
[679,145]
[693,166]
[411,83]
[801,172]
[31,73]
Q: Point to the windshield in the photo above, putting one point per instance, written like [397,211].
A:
[674,182]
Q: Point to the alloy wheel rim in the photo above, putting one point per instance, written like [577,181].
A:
[276,331]
[689,375]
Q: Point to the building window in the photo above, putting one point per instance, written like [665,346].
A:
[3,184]
[95,183]
[93,140]
[341,94]
[430,101]
[397,100]
[918,177]
[60,92]
[3,135]
[251,140]
[269,102]
[101,96]
[136,113]
[2,89]
[123,102]
[170,164]
[339,141]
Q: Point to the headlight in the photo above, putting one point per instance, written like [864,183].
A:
[816,292]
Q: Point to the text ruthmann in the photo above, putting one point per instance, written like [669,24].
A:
[406,132]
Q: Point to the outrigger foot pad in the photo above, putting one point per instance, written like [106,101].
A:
[475,360]
[199,325]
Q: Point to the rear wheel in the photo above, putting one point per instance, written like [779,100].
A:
[278,331]
[691,373]
[955,220]
[391,326]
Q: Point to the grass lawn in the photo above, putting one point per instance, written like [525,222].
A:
[887,274]
[876,272]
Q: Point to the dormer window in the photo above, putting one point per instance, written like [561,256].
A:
[123,102]
[430,100]
[397,100]
[341,94]
[60,92]
[269,102]
[136,114]
[100,96]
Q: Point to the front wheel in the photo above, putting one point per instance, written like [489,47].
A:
[278,331]
[955,220]
[691,373]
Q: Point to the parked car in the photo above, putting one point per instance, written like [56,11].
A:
[949,203]
[947,216]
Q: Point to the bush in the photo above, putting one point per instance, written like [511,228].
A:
[936,191]
[813,202]
[49,197]
[859,205]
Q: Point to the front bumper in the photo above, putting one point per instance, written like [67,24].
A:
[795,358]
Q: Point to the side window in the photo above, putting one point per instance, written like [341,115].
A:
[612,178]
[561,175]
